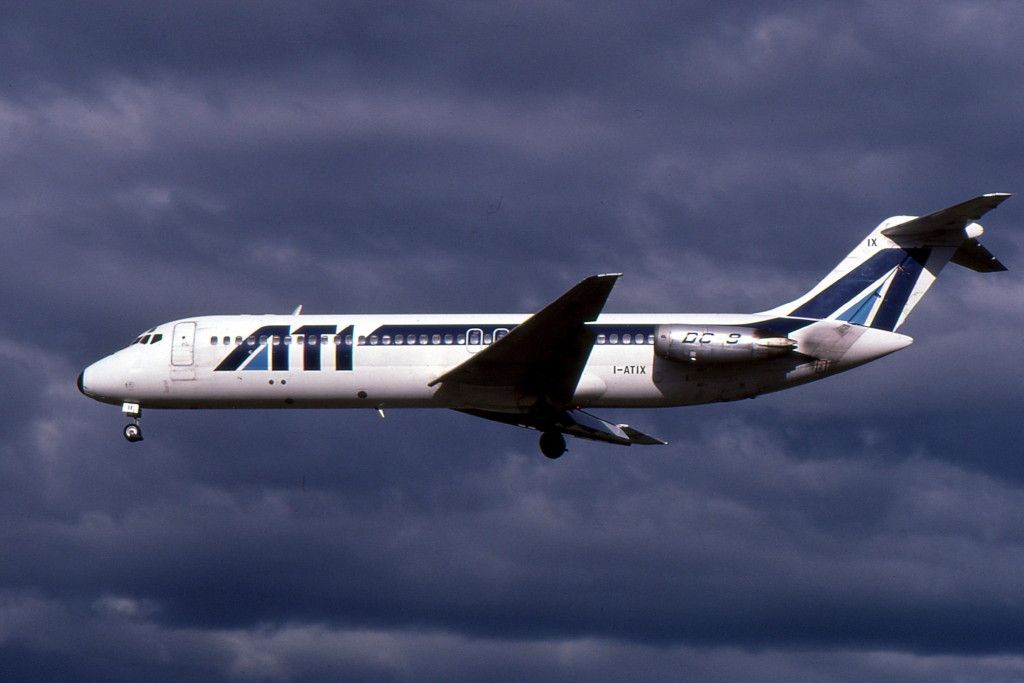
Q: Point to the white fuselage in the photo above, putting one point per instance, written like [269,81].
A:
[377,361]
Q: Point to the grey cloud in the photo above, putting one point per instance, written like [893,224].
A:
[315,652]
[512,547]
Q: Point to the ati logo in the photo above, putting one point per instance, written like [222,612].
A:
[270,356]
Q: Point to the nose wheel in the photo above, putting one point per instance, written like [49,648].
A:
[132,430]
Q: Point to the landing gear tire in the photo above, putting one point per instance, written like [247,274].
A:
[552,444]
[133,432]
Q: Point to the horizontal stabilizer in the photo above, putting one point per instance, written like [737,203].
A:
[947,225]
[976,257]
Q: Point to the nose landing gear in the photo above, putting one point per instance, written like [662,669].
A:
[133,430]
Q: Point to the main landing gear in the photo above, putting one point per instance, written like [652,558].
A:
[552,444]
[132,430]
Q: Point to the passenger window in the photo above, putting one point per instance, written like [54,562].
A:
[238,340]
[156,338]
[423,339]
[601,339]
[300,339]
[435,339]
[639,338]
[213,340]
[373,340]
[263,339]
[311,340]
[288,340]
[487,337]
[251,341]
[323,338]
[626,339]
[461,339]
[275,340]
[447,339]
[613,339]
[386,339]
[474,337]
[362,340]
[399,340]
[348,340]
[410,339]
[499,334]
[650,339]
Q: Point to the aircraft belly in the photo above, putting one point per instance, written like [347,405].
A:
[671,383]
[366,387]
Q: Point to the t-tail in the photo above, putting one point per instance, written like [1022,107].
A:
[884,278]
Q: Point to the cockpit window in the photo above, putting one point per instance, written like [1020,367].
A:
[144,337]
[156,338]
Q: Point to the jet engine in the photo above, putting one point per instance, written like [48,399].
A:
[712,345]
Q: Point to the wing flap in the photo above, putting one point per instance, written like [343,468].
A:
[577,423]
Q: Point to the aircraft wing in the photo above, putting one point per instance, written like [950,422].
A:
[946,225]
[543,356]
[578,423]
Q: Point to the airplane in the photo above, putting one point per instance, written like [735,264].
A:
[546,371]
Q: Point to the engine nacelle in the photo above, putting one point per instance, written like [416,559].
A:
[719,344]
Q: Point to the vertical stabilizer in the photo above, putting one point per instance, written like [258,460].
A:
[881,281]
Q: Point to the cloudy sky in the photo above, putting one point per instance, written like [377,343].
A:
[165,160]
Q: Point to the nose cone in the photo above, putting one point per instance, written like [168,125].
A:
[103,380]
[87,382]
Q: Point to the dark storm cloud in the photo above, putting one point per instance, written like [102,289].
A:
[164,161]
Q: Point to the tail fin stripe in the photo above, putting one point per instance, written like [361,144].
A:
[896,298]
[833,297]
[859,312]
